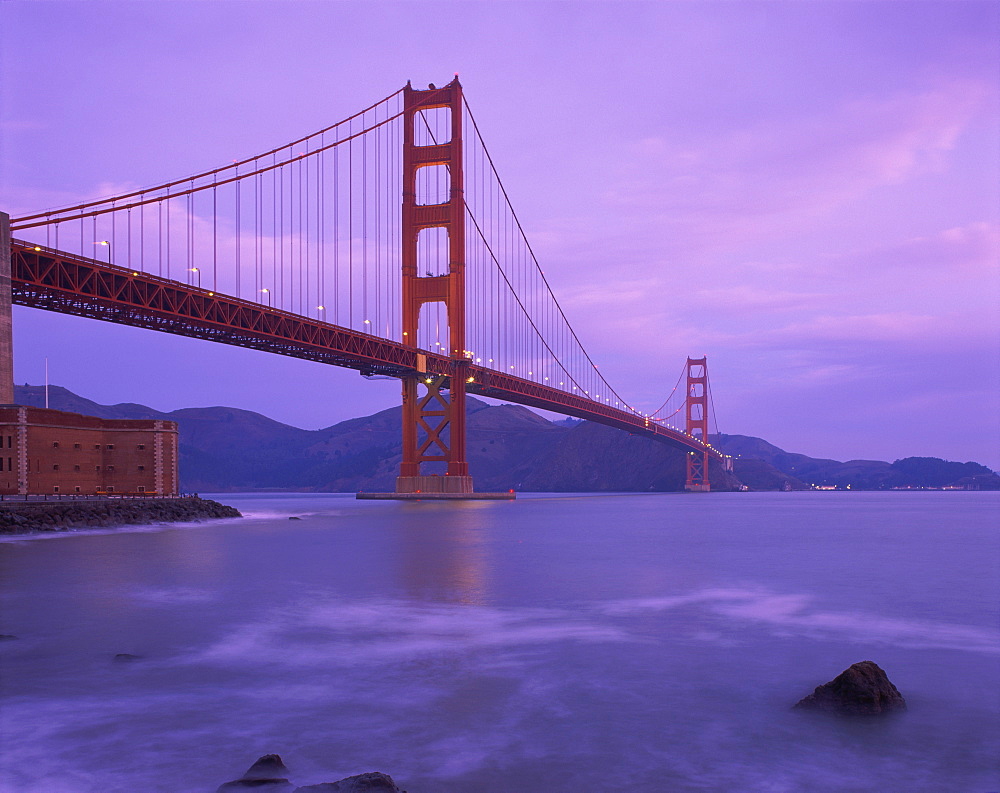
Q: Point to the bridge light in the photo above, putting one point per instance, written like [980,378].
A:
[135,273]
[471,380]
[37,248]
[368,322]
[479,360]
[323,308]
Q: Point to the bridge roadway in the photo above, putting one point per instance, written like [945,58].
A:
[55,280]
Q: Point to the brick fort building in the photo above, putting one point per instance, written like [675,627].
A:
[51,451]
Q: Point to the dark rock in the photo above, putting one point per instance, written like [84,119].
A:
[294,518]
[863,689]
[126,658]
[6,636]
[372,782]
[269,766]
[266,775]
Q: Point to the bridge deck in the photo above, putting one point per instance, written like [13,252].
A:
[55,280]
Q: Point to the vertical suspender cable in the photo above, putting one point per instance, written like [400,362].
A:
[272,285]
[215,239]
[350,228]
[321,225]
[168,234]
[364,230]
[159,238]
[239,233]
[336,235]
[280,301]
[377,318]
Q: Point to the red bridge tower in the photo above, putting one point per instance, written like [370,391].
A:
[696,423]
[434,421]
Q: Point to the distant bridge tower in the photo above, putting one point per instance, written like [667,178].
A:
[434,421]
[696,423]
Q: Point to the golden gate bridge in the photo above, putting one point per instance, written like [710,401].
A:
[385,243]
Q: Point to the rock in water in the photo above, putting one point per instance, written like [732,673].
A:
[267,775]
[270,766]
[124,658]
[863,689]
[372,782]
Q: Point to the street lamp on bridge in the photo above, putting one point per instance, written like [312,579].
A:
[108,244]
[267,292]
[198,271]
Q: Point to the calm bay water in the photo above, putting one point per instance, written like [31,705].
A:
[560,643]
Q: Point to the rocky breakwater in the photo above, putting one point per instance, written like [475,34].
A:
[270,775]
[34,516]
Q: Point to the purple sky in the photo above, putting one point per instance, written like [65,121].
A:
[805,192]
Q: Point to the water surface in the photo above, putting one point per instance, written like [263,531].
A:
[556,643]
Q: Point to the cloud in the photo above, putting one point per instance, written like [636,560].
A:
[887,327]
[958,251]
[621,293]
[831,374]
[785,171]
[747,298]
[24,125]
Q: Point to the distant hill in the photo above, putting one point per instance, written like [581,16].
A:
[913,472]
[509,447]
[227,449]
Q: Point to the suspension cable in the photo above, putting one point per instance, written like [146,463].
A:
[532,253]
[205,174]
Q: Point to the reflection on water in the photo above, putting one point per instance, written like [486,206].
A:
[445,554]
[556,644]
